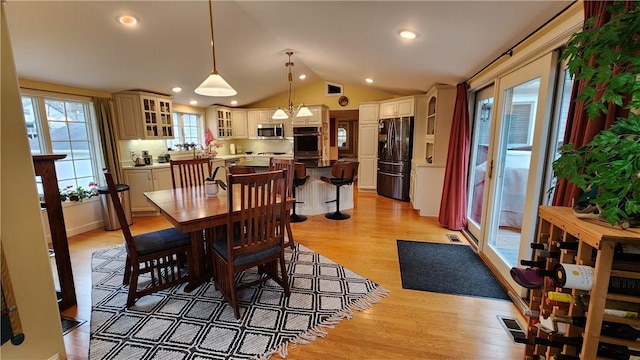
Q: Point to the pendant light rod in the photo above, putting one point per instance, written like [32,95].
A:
[213,44]
[214,84]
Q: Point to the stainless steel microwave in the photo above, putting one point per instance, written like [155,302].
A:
[270,131]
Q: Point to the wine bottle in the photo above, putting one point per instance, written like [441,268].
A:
[560,304]
[627,252]
[549,254]
[567,245]
[560,296]
[540,264]
[617,352]
[624,286]
[573,320]
[574,276]
[546,342]
[612,329]
[611,307]
[564,357]
[575,341]
[539,246]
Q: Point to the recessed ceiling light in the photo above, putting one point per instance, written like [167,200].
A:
[302,77]
[176,89]
[234,102]
[127,20]
[193,102]
[407,34]
[368,80]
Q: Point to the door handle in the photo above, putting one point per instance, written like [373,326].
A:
[390,174]
[490,172]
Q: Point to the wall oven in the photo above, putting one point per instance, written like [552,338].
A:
[307,143]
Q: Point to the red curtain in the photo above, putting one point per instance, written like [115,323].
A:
[453,206]
[580,130]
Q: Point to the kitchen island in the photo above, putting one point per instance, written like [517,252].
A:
[315,193]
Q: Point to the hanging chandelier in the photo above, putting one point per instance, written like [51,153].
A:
[301,110]
[214,84]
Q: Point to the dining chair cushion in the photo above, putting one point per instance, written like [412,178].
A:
[160,240]
[220,247]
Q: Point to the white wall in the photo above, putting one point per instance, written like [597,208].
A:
[79,217]
[23,244]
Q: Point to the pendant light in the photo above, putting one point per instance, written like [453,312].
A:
[214,84]
[302,111]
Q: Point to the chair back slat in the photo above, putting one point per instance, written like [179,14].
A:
[255,225]
[282,164]
[241,170]
[189,173]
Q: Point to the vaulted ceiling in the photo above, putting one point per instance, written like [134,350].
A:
[81,44]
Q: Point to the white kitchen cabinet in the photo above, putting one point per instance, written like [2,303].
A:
[368,157]
[219,120]
[258,116]
[368,147]
[314,120]
[368,113]
[429,181]
[144,180]
[143,115]
[431,145]
[397,108]
[239,124]
[437,129]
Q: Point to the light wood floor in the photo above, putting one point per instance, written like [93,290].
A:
[406,324]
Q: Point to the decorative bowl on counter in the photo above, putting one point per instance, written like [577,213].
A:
[248,152]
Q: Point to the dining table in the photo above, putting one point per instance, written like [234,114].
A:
[191,211]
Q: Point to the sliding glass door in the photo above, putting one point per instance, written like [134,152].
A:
[507,183]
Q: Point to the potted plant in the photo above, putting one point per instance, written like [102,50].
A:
[607,168]
[212,185]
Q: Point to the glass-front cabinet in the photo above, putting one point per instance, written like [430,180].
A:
[143,115]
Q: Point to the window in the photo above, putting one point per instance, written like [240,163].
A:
[342,137]
[187,129]
[64,124]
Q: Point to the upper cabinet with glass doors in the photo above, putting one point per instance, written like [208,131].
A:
[440,104]
[143,115]
[220,121]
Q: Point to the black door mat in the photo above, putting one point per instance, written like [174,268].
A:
[69,324]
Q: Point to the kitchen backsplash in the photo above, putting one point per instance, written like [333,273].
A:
[158,147]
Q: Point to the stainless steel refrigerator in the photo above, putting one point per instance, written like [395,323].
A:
[395,147]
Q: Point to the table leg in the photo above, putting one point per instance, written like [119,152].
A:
[197,261]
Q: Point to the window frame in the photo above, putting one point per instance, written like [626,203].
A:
[178,117]
[44,136]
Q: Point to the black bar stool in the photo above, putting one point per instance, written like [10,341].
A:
[344,173]
[299,178]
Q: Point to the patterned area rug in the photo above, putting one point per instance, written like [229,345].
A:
[174,325]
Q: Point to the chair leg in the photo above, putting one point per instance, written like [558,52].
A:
[295,217]
[127,271]
[337,215]
[133,286]
[289,234]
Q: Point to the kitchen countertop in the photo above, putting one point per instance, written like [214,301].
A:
[157,165]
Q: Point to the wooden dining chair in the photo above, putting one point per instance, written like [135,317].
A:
[254,235]
[191,172]
[241,170]
[289,165]
[160,254]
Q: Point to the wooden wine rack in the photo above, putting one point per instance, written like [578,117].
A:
[560,224]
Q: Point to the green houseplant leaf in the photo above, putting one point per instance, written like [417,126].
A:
[607,60]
